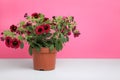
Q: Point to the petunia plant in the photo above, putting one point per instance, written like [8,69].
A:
[40,31]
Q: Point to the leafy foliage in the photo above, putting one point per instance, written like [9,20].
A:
[40,31]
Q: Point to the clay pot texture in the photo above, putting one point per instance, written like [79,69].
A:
[44,59]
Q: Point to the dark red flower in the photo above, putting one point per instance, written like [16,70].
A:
[27,24]
[26,15]
[72,18]
[19,32]
[13,28]
[62,30]
[45,19]
[24,26]
[8,41]
[74,28]
[15,43]
[2,38]
[28,32]
[46,28]
[69,33]
[2,33]
[35,15]
[53,17]
[39,30]
[76,34]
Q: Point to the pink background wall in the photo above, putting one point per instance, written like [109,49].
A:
[98,21]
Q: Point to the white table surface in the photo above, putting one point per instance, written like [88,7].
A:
[66,69]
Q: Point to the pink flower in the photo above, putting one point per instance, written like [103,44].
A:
[8,41]
[39,30]
[15,43]
[13,28]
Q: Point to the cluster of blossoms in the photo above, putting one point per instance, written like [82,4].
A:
[42,29]
[38,29]
[9,41]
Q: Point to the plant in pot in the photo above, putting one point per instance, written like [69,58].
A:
[45,37]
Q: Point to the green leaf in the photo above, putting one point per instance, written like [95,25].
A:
[38,49]
[52,27]
[62,37]
[67,38]
[22,23]
[22,45]
[9,33]
[51,47]
[48,34]
[34,44]
[30,50]
[70,18]
[58,45]
[55,34]
[59,27]
[30,28]
[42,16]
[59,18]
[20,37]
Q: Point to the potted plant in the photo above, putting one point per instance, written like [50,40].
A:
[45,37]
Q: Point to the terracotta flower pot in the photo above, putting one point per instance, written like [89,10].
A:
[44,59]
